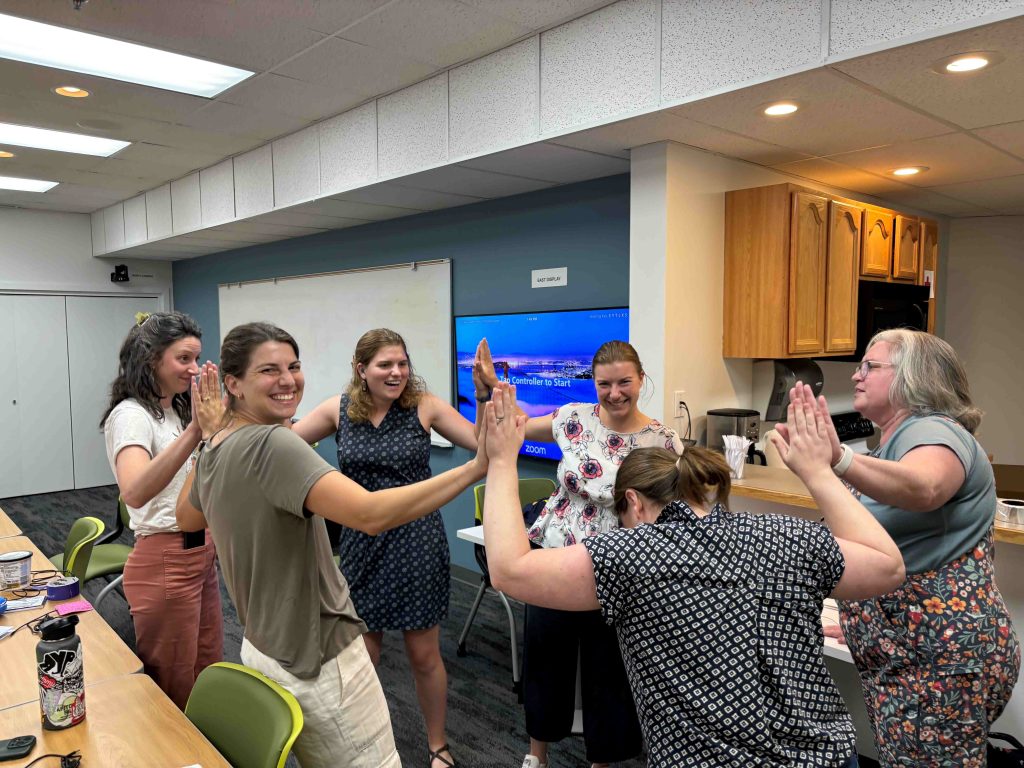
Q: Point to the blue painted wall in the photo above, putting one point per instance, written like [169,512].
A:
[492,246]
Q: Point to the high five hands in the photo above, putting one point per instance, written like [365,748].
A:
[805,393]
[504,425]
[484,377]
[208,405]
[804,442]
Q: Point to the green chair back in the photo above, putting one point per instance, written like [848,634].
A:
[78,548]
[531,489]
[250,719]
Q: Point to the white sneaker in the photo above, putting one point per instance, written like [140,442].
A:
[531,761]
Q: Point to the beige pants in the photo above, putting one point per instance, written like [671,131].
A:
[347,723]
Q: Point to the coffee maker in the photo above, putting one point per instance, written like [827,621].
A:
[734,421]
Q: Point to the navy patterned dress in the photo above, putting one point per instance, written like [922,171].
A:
[400,578]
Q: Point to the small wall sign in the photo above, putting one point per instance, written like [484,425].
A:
[550,278]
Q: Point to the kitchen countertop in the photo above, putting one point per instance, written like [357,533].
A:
[779,485]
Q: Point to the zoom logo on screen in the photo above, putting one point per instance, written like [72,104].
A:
[537,450]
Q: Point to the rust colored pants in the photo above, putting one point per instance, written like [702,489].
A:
[175,603]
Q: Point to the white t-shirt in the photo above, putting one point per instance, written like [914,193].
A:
[131,424]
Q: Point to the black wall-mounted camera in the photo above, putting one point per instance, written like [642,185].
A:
[120,274]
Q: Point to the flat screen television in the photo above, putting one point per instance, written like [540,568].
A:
[547,355]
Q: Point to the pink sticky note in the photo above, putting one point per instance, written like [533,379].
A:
[78,606]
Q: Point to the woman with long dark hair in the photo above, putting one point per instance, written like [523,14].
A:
[170,578]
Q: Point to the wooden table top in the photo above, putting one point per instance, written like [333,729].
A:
[129,722]
[7,526]
[781,486]
[105,654]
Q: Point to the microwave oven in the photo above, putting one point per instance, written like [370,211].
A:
[881,306]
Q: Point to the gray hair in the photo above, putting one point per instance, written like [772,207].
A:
[928,376]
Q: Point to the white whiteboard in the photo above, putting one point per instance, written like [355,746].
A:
[328,313]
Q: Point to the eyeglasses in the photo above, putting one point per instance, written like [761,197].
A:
[870,365]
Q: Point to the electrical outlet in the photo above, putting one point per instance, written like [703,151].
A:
[680,401]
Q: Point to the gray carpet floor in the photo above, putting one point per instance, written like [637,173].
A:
[485,721]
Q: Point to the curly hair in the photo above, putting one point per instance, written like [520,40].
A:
[360,404]
[140,352]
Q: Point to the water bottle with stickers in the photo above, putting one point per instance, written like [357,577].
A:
[61,677]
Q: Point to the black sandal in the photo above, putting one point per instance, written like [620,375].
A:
[436,755]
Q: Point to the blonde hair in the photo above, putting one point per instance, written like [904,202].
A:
[360,404]
[697,477]
[928,376]
[617,352]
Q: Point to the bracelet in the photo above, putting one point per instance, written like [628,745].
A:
[844,462]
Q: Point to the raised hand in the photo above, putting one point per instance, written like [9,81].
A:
[505,424]
[484,377]
[209,406]
[804,445]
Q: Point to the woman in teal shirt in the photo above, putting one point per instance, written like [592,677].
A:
[938,657]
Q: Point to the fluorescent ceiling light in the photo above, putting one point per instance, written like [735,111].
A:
[59,141]
[26,185]
[50,46]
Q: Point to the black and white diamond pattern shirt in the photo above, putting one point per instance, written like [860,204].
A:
[719,623]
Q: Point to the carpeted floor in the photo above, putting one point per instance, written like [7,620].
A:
[485,722]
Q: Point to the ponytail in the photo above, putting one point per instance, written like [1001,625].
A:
[698,477]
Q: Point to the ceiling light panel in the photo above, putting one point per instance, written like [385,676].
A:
[36,43]
[26,185]
[59,141]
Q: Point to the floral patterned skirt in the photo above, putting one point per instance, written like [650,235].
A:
[937,658]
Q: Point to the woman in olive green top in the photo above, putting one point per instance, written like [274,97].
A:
[264,494]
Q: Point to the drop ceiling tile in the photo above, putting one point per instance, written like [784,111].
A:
[856,24]
[494,102]
[293,97]
[299,219]
[618,138]
[468,181]
[241,238]
[1005,195]
[296,161]
[952,158]
[933,203]
[356,68]
[158,212]
[835,115]
[538,14]
[135,227]
[441,32]
[348,209]
[253,36]
[838,175]
[412,127]
[706,46]
[99,236]
[550,162]
[598,66]
[160,156]
[186,208]
[348,149]
[987,97]
[398,196]
[1009,137]
[222,117]
[330,17]
[113,227]
[254,182]
[217,193]
[257,227]
[28,161]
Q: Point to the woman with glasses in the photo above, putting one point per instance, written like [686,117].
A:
[938,656]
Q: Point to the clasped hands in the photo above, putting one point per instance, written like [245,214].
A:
[807,442]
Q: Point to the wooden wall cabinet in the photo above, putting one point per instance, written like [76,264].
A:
[791,265]
[929,264]
[906,262]
[876,254]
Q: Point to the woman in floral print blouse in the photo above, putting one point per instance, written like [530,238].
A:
[594,438]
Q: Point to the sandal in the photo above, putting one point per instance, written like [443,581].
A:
[435,754]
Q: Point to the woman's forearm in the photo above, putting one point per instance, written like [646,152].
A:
[504,531]
[897,484]
[145,483]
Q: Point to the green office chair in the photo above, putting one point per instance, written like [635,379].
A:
[108,556]
[250,719]
[78,548]
[531,489]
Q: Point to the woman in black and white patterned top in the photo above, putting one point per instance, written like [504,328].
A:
[717,614]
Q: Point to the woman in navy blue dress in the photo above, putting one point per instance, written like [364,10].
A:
[399,579]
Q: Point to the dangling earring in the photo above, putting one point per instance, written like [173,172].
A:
[364,387]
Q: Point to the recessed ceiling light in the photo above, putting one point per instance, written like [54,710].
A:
[963,63]
[71,92]
[26,185]
[59,141]
[909,170]
[4,154]
[36,43]
[781,108]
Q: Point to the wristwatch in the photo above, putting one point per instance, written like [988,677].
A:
[845,460]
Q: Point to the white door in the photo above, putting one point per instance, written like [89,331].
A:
[10,428]
[44,395]
[97,325]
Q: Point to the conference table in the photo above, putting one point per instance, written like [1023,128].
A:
[129,723]
[105,654]
[8,526]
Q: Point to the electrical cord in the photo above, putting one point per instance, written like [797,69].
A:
[70,760]
[34,630]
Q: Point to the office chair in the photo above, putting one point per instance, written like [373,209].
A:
[108,556]
[531,489]
[78,547]
[251,720]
